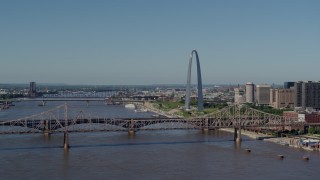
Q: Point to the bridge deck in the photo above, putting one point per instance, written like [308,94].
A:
[232,117]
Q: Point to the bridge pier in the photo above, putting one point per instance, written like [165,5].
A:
[43,103]
[131,132]
[238,140]
[237,135]
[47,133]
[65,141]
[46,128]
[205,129]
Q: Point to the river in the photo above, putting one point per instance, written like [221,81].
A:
[172,154]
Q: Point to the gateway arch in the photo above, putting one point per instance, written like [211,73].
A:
[188,90]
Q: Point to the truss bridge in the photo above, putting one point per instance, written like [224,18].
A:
[57,120]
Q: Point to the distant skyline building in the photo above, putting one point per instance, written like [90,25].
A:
[188,89]
[249,92]
[239,95]
[32,89]
[288,85]
[263,94]
[282,98]
[298,94]
[307,94]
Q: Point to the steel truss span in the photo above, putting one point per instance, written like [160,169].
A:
[56,121]
[188,90]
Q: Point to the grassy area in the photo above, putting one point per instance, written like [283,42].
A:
[210,110]
[183,113]
[167,105]
[269,109]
[314,131]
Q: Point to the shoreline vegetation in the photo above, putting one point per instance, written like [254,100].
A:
[175,109]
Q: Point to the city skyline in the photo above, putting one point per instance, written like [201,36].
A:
[142,42]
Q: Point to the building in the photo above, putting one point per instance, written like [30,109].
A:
[263,94]
[239,96]
[313,118]
[307,95]
[293,115]
[249,92]
[282,98]
[32,90]
[298,94]
[288,85]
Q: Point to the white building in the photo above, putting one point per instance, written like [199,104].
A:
[250,92]
[263,94]
[239,96]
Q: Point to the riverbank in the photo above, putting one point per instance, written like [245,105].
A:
[305,143]
[308,144]
[149,107]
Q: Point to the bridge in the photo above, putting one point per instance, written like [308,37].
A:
[44,101]
[57,120]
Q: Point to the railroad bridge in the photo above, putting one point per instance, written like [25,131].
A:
[57,120]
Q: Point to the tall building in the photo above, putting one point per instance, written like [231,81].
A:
[298,94]
[288,85]
[307,95]
[32,90]
[249,92]
[239,96]
[282,98]
[263,94]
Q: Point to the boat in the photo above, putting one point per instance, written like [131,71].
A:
[4,106]
[140,110]
[284,143]
[42,103]
[310,142]
[130,106]
[113,103]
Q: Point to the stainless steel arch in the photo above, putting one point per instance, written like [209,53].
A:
[188,90]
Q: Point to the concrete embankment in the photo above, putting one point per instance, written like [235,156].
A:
[250,134]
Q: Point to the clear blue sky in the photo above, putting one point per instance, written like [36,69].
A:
[148,42]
